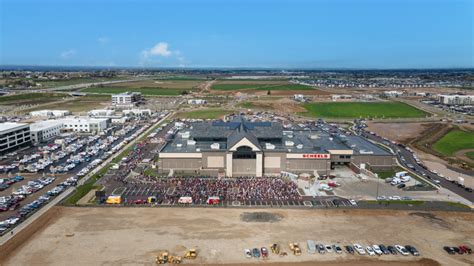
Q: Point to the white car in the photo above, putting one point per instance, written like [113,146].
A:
[395,198]
[248,254]
[402,250]
[377,249]
[359,249]
[353,202]
[370,251]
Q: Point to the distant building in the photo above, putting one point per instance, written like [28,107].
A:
[392,93]
[456,99]
[137,112]
[50,113]
[197,101]
[337,97]
[45,130]
[299,98]
[100,112]
[127,99]
[86,124]
[13,136]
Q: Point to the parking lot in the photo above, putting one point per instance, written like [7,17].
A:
[23,193]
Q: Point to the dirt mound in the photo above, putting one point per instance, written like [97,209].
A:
[261,217]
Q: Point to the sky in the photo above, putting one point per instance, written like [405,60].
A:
[260,33]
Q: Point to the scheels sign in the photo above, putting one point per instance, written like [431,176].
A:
[316,156]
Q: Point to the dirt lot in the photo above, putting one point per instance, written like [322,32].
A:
[399,132]
[134,236]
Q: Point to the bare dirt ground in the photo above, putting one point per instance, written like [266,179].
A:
[399,132]
[134,236]
[280,105]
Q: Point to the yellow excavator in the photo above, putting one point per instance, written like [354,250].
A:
[190,254]
[275,248]
[295,247]
[162,258]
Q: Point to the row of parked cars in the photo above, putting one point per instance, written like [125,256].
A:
[462,249]
[313,247]
[29,208]
[7,182]
[34,186]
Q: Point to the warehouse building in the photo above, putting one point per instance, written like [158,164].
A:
[86,124]
[45,130]
[13,136]
[243,148]
[126,99]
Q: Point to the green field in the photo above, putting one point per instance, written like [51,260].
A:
[144,91]
[362,110]
[31,98]
[454,141]
[259,86]
[74,81]
[470,155]
[204,114]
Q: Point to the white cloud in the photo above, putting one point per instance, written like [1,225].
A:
[160,49]
[103,40]
[68,54]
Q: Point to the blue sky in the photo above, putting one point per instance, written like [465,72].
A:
[282,34]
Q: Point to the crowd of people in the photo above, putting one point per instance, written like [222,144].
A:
[230,189]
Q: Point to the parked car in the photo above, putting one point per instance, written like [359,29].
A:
[247,253]
[392,250]
[359,249]
[256,253]
[349,249]
[377,249]
[337,249]
[264,252]
[412,250]
[321,249]
[402,250]
[449,250]
[466,249]
[370,251]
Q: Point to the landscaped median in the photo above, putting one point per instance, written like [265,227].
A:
[418,205]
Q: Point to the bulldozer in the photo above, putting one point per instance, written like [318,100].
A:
[295,247]
[275,248]
[175,259]
[162,258]
[190,254]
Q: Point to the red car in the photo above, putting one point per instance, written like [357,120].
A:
[139,201]
[264,251]
[465,249]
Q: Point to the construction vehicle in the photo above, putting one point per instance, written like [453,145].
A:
[295,247]
[190,254]
[162,258]
[275,248]
[175,259]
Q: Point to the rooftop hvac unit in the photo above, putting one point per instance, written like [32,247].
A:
[313,136]
[179,145]
[289,143]
[365,152]
[185,135]
[215,146]
[269,146]
[198,149]
[299,146]
[191,142]
[290,136]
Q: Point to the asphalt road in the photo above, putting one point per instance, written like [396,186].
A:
[401,151]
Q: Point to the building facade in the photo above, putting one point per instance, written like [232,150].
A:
[13,136]
[86,124]
[44,130]
[126,99]
[242,148]
[456,99]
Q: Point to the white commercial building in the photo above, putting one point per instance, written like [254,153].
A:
[50,113]
[456,99]
[44,130]
[126,99]
[138,112]
[101,112]
[197,101]
[86,124]
[13,135]
[392,93]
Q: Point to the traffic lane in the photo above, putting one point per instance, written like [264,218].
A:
[409,159]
